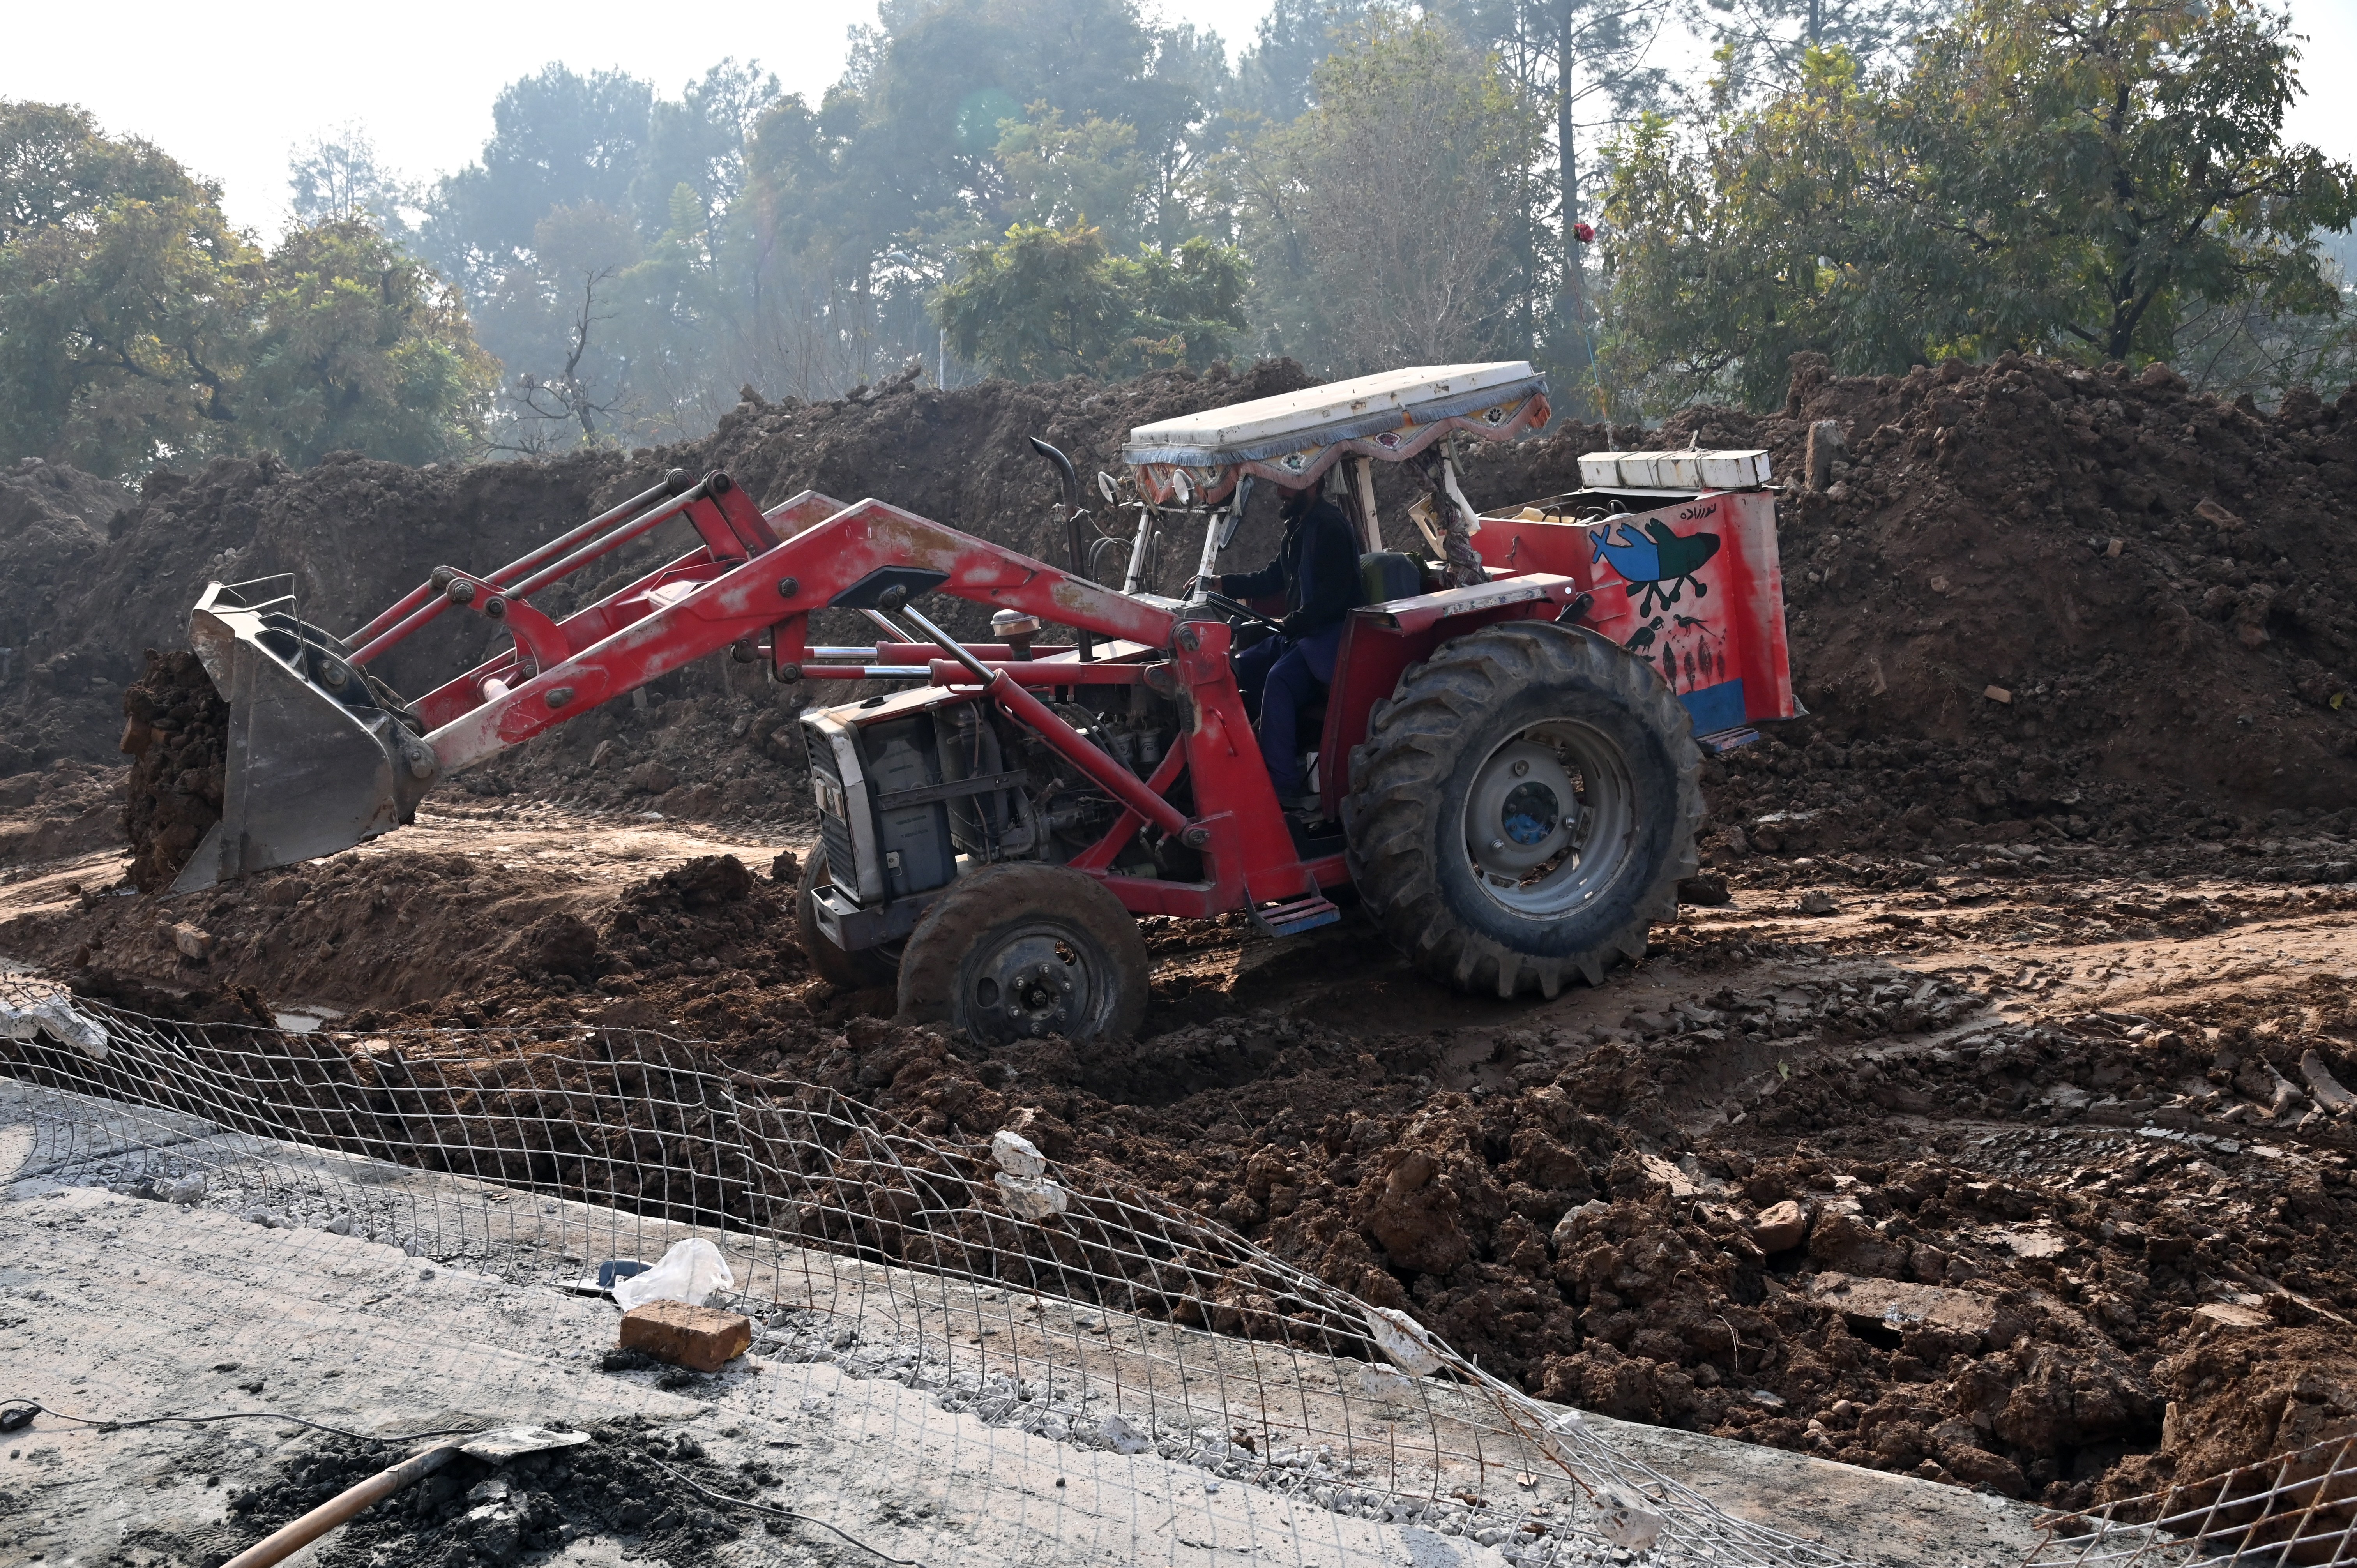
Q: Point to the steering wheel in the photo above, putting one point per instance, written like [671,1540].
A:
[1233,608]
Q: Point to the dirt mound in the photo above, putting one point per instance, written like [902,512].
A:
[176,731]
[1746,1211]
[658,1490]
[54,540]
[67,809]
[2063,578]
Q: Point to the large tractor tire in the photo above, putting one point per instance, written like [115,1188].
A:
[1523,807]
[868,971]
[1018,951]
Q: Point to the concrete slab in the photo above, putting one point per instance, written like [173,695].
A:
[113,1306]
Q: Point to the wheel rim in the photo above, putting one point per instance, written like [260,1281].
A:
[1038,978]
[1550,820]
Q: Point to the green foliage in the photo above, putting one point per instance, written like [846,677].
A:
[1052,302]
[124,297]
[1385,217]
[136,326]
[360,347]
[2074,176]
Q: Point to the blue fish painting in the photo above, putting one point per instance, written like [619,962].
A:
[1658,562]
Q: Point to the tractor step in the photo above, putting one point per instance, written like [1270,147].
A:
[1290,919]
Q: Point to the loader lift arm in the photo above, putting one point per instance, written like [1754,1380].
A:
[350,773]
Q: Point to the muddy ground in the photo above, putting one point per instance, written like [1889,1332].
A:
[1978,1173]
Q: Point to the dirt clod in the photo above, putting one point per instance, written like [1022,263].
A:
[176,731]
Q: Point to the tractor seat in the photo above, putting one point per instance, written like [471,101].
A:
[1388,574]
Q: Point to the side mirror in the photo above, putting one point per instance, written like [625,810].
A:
[1104,486]
[1183,485]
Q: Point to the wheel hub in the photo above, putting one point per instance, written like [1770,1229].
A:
[1548,818]
[1030,983]
[1521,811]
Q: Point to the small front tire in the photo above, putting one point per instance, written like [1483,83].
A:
[1019,951]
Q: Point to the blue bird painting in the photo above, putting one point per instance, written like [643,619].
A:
[1658,562]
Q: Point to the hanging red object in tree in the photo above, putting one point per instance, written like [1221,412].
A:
[1583,232]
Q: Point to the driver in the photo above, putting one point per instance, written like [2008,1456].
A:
[1317,569]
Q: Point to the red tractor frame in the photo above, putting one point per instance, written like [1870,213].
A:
[1511,791]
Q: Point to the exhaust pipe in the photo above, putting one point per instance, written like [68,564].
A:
[321,756]
[1068,511]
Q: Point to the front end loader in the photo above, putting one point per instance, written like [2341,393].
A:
[1504,767]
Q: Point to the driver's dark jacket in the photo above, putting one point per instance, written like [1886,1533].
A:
[1317,568]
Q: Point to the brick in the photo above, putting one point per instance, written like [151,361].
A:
[701,1338]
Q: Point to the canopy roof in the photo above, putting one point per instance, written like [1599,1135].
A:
[1296,437]
[1339,410]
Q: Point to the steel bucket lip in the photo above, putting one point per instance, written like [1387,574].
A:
[309,773]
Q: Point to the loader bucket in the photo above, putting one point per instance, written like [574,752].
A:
[319,755]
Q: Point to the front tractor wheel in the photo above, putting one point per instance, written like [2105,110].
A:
[1018,951]
[1523,808]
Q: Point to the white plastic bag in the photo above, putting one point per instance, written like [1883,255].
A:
[691,1271]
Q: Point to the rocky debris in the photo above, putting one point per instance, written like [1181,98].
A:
[2323,1085]
[176,732]
[1780,1227]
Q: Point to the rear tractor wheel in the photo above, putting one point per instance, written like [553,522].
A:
[1019,950]
[1523,808]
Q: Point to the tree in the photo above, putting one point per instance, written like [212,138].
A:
[558,139]
[137,327]
[569,380]
[334,178]
[1276,78]
[699,142]
[2072,176]
[360,348]
[1760,44]
[124,297]
[1587,61]
[1052,302]
[1384,216]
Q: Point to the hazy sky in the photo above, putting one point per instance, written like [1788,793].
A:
[229,101]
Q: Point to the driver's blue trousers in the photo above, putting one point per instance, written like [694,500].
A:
[1279,677]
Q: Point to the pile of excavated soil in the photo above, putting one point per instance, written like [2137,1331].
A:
[458,939]
[54,541]
[176,732]
[2066,578]
[65,809]
[2076,602]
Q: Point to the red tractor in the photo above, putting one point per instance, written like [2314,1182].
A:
[1503,769]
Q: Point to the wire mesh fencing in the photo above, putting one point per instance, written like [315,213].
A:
[2291,1510]
[1062,1366]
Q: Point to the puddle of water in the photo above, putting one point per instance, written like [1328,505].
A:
[302,1020]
